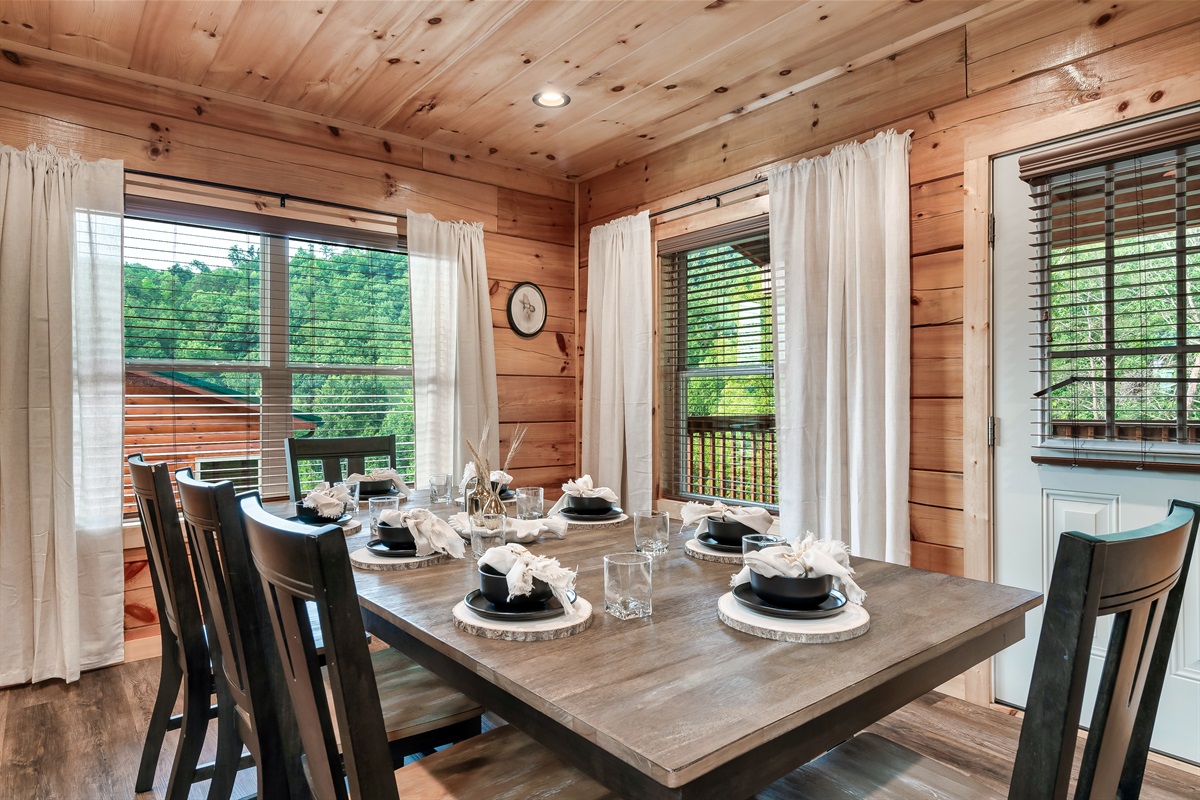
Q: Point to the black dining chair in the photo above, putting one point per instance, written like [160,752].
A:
[301,564]
[330,452]
[185,651]
[1138,577]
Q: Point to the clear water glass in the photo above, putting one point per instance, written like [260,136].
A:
[530,502]
[439,488]
[651,531]
[757,541]
[484,539]
[628,585]
[376,506]
[351,505]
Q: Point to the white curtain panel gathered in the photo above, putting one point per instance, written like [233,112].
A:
[618,362]
[454,359]
[61,399]
[840,255]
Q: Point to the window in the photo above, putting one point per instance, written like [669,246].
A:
[717,366]
[236,339]
[1117,298]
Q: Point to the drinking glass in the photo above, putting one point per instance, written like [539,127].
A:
[651,531]
[439,488]
[627,585]
[351,506]
[529,502]
[376,506]
[484,538]
[757,541]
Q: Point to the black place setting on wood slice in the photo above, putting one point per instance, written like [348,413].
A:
[393,542]
[381,488]
[309,516]
[491,600]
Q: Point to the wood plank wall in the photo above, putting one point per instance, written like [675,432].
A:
[1009,69]
[528,218]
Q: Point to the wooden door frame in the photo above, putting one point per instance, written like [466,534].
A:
[978,150]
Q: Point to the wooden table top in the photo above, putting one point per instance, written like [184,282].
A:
[679,704]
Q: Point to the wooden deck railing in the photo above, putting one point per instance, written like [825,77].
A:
[732,457]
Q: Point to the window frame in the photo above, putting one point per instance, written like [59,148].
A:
[275,232]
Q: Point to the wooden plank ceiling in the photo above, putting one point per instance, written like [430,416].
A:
[460,74]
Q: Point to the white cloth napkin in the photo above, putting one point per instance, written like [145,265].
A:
[751,516]
[496,476]
[808,558]
[522,566]
[582,487]
[516,530]
[431,534]
[381,475]
[329,501]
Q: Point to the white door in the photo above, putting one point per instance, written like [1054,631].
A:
[1033,504]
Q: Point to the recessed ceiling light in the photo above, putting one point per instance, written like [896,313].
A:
[551,99]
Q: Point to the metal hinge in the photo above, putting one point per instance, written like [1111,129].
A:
[991,230]
[991,431]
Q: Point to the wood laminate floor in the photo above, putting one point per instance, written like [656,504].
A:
[82,741]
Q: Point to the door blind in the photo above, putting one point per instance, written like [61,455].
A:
[236,339]
[717,370]
[1117,301]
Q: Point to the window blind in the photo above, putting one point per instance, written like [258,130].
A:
[717,367]
[237,338]
[1117,301]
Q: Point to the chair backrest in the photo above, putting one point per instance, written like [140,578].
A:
[232,598]
[330,452]
[1138,576]
[170,572]
[301,563]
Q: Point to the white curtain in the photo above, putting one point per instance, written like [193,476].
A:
[840,255]
[618,363]
[61,384]
[454,360]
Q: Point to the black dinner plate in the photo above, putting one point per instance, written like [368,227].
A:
[484,608]
[322,521]
[392,492]
[828,607]
[391,551]
[708,541]
[590,516]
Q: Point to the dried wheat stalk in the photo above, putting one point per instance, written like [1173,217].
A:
[518,437]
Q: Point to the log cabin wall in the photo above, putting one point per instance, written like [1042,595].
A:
[1102,63]
[528,218]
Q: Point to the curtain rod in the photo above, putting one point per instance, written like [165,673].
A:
[283,198]
[714,196]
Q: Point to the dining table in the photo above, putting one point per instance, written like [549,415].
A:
[678,704]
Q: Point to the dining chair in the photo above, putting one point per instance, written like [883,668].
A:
[300,564]
[185,650]
[330,452]
[1138,577]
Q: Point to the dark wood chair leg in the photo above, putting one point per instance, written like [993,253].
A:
[192,729]
[169,681]
[229,747]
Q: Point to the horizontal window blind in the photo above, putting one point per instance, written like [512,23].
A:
[236,339]
[1117,300]
[717,368]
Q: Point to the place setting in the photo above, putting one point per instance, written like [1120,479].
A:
[379,483]
[327,504]
[803,591]
[720,529]
[522,597]
[585,505]
[405,539]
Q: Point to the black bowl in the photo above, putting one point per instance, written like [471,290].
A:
[792,592]
[310,515]
[374,488]
[494,586]
[391,534]
[588,505]
[728,532]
